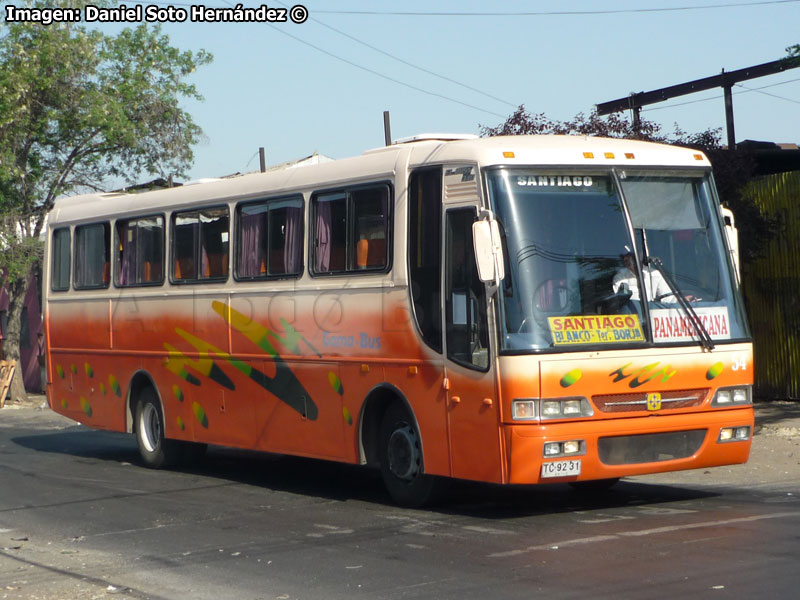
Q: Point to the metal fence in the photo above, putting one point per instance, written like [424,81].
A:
[772,290]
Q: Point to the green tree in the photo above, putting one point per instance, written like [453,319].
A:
[79,108]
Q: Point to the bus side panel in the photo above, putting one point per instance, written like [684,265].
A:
[91,388]
[358,380]
[80,324]
[187,325]
[206,409]
[373,329]
[303,413]
[86,384]
[289,386]
[424,390]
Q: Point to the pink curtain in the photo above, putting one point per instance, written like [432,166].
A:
[323,243]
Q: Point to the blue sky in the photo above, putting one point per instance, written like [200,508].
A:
[282,86]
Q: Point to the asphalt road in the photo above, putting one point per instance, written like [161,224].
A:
[80,519]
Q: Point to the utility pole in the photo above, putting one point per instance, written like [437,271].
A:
[727,87]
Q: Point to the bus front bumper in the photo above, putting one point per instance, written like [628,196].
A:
[612,448]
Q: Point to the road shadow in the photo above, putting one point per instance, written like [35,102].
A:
[777,413]
[343,482]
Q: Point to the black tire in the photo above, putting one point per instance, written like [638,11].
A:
[156,451]
[402,464]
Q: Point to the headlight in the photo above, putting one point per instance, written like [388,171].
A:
[551,408]
[733,396]
[531,409]
[566,408]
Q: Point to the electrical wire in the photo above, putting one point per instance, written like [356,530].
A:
[282,31]
[759,90]
[549,13]
[409,64]
[717,97]
[367,69]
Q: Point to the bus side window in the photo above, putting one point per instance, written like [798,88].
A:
[59,268]
[330,227]
[92,256]
[370,209]
[351,230]
[270,238]
[200,245]
[139,251]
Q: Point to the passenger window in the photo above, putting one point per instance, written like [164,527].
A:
[200,245]
[270,239]
[351,230]
[92,256]
[330,243]
[140,251]
[59,268]
[371,229]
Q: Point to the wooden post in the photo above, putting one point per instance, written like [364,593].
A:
[729,113]
[7,369]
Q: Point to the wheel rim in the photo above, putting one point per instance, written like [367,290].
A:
[403,453]
[150,426]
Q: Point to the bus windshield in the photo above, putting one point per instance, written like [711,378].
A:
[581,246]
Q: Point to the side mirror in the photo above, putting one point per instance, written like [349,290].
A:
[733,238]
[488,250]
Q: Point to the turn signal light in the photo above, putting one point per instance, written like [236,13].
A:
[523,410]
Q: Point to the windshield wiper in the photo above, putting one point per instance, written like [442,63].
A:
[705,339]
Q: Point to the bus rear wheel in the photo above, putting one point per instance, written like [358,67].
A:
[402,464]
[156,451]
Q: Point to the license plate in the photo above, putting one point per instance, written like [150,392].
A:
[561,468]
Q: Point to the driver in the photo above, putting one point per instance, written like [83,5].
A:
[625,279]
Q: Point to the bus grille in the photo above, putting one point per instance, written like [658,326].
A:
[648,448]
[638,401]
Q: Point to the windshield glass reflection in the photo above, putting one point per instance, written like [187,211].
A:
[574,268]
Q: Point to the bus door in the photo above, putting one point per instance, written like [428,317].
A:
[472,404]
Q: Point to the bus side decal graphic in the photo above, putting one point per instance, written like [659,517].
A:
[638,376]
[177,361]
[715,370]
[284,385]
[258,334]
[571,378]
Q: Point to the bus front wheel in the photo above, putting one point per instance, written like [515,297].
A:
[402,465]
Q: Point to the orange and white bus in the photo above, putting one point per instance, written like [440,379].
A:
[513,310]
